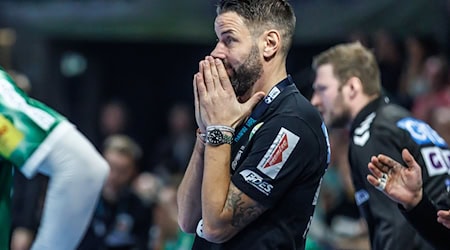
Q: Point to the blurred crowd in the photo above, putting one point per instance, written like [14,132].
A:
[137,208]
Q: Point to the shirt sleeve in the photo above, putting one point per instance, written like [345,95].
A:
[424,219]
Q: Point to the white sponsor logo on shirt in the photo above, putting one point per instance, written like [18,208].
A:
[362,133]
[257,181]
[15,101]
[437,160]
[278,153]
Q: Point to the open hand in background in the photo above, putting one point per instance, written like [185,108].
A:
[403,184]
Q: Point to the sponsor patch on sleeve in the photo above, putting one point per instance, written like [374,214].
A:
[278,153]
[257,181]
[10,137]
[421,132]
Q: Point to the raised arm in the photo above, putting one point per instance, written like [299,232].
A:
[225,209]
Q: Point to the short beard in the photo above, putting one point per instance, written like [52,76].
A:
[341,121]
[245,76]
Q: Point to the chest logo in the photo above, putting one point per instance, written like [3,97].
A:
[278,153]
[362,133]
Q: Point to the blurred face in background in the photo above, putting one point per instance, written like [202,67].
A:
[329,97]
[122,171]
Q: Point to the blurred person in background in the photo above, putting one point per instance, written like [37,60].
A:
[337,223]
[37,139]
[169,236]
[418,48]
[121,220]
[348,94]
[389,55]
[114,118]
[433,106]
[173,149]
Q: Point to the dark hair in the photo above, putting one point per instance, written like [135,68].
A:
[261,15]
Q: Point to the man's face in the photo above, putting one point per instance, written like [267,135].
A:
[238,51]
[329,99]
[121,170]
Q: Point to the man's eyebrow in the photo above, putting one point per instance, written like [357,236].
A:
[227,32]
[316,86]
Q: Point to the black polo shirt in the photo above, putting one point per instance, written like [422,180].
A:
[279,162]
[383,128]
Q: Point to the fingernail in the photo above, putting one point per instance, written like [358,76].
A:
[217,61]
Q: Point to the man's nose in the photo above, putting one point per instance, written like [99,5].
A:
[218,51]
[315,100]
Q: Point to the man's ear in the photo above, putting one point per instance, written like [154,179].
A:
[355,86]
[272,43]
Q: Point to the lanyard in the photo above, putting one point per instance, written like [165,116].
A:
[262,106]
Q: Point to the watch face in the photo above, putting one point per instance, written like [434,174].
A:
[215,137]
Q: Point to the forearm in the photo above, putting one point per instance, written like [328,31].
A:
[189,191]
[424,219]
[216,183]
[77,173]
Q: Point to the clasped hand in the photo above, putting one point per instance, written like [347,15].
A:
[215,100]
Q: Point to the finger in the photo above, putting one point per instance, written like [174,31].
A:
[378,183]
[214,72]
[200,66]
[253,101]
[208,78]
[380,166]
[373,180]
[194,85]
[444,214]
[374,170]
[409,159]
[223,75]
[200,85]
[444,222]
[387,163]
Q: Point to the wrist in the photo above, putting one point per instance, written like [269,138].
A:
[218,134]
[412,203]
[222,128]
[201,136]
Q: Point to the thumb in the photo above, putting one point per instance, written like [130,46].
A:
[409,159]
[254,100]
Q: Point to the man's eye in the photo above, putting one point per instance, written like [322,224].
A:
[320,88]
[228,40]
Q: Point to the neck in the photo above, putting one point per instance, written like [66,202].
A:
[360,103]
[273,73]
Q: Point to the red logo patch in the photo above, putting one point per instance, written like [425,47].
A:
[277,155]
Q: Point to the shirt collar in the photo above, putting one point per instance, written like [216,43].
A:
[367,110]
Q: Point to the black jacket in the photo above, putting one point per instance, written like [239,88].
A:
[382,128]
[423,218]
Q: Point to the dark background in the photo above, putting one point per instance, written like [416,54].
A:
[146,52]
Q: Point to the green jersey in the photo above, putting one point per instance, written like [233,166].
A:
[24,125]
[24,122]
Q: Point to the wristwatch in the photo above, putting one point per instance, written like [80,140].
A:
[216,137]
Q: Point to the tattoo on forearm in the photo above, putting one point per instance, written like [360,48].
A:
[243,213]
